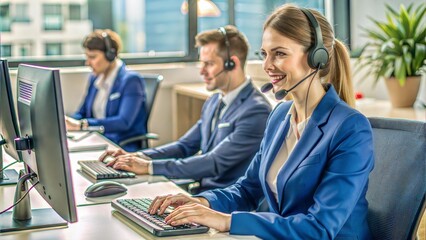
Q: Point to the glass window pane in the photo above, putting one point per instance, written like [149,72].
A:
[5,20]
[5,50]
[211,21]
[52,17]
[251,14]
[21,13]
[53,49]
[74,12]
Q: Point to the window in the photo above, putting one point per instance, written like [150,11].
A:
[75,12]
[152,31]
[52,17]
[53,49]
[251,14]
[5,17]
[21,13]
[5,50]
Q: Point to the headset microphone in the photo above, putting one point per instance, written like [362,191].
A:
[217,74]
[266,87]
[282,93]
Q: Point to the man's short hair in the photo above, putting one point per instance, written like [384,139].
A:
[238,43]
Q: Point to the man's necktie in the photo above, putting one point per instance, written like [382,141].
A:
[216,116]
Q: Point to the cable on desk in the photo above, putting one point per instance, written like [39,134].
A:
[19,200]
[10,164]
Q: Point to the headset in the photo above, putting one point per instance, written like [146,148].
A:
[110,52]
[317,54]
[229,64]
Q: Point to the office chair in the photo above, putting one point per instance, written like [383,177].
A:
[397,184]
[152,83]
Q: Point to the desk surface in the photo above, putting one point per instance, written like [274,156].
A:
[369,107]
[95,217]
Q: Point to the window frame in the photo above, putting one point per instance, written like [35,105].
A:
[192,55]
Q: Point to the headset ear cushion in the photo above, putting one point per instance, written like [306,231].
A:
[318,58]
[229,64]
[111,54]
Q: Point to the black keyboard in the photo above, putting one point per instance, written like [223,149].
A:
[98,170]
[137,211]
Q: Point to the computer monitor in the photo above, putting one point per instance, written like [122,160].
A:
[44,152]
[8,126]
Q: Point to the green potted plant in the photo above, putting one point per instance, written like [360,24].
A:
[397,52]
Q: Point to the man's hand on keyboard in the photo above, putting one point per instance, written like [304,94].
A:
[112,153]
[130,162]
[115,153]
[160,203]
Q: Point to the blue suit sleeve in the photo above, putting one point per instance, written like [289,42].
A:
[81,113]
[186,146]
[234,149]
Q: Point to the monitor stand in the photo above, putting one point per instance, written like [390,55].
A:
[7,177]
[23,218]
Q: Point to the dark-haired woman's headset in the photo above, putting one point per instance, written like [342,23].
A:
[110,52]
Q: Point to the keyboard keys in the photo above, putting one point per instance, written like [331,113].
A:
[99,170]
[137,210]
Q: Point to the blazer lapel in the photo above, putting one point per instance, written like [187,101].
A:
[302,149]
[241,97]
[277,142]
[115,87]
[310,137]
[207,127]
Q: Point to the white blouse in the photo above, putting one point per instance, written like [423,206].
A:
[294,132]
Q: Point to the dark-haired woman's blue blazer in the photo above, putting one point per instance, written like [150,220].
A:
[125,110]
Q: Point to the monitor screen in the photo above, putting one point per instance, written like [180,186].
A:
[42,126]
[8,125]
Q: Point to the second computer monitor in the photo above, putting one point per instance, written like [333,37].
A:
[8,125]
[44,150]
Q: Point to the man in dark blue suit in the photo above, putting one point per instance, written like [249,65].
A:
[219,147]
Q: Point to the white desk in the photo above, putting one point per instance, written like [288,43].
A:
[95,218]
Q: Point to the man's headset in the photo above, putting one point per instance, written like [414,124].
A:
[110,52]
[229,64]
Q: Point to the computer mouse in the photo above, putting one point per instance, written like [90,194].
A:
[104,188]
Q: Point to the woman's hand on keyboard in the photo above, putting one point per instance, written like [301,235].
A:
[199,214]
[160,203]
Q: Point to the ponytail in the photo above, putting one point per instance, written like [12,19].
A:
[340,75]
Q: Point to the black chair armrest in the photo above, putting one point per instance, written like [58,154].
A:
[145,137]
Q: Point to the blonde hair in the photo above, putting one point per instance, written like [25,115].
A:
[291,22]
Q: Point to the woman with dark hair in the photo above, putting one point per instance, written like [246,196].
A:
[115,97]
[315,158]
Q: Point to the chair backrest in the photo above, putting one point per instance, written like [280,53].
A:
[152,84]
[397,184]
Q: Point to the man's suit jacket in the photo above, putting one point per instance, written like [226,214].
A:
[226,152]
[322,186]
[125,109]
